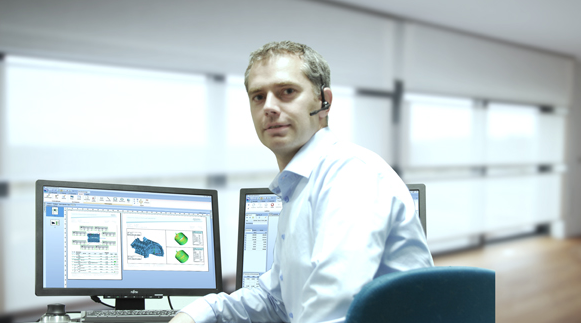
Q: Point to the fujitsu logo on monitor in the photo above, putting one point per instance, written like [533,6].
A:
[134,292]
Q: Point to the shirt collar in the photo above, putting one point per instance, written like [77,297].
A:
[306,158]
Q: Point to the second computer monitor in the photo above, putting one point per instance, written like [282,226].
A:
[258,220]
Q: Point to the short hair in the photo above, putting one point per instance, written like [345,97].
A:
[315,67]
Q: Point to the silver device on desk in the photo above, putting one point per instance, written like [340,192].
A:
[55,313]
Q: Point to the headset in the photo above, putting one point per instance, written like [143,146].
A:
[325,105]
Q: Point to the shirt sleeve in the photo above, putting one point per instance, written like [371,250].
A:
[243,305]
[363,226]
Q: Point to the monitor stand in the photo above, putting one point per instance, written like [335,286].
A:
[129,303]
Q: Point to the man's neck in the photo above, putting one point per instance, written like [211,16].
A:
[283,161]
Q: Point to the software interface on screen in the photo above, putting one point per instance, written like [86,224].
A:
[261,221]
[96,238]
[416,198]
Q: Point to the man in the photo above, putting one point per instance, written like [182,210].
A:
[347,217]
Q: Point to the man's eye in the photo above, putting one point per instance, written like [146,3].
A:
[289,91]
[257,97]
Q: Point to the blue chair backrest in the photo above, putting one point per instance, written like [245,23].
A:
[436,294]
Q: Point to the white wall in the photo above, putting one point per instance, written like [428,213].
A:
[441,61]
[199,36]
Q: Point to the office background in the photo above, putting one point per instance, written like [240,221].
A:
[150,92]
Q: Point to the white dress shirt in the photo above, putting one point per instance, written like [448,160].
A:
[347,218]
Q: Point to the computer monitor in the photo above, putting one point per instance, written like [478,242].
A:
[257,226]
[127,242]
[418,192]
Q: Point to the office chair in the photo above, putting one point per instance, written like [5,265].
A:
[425,295]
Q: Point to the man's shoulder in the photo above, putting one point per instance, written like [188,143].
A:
[347,153]
[348,150]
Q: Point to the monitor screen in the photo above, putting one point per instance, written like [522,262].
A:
[126,241]
[258,220]
[418,193]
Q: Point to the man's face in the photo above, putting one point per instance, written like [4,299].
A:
[281,97]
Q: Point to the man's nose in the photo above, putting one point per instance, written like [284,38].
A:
[271,104]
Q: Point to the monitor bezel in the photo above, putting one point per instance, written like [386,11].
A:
[40,290]
[421,188]
[241,222]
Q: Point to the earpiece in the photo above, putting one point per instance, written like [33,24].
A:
[325,105]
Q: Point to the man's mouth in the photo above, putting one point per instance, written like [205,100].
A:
[276,126]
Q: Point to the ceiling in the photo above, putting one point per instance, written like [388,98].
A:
[549,25]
